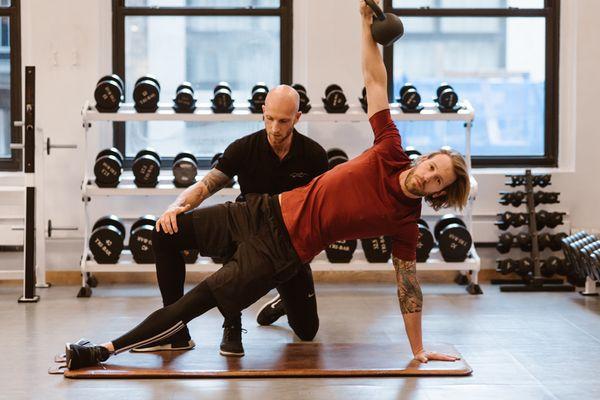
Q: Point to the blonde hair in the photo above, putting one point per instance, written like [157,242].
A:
[457,193]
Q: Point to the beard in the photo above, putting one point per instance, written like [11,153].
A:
[412,184]
[280,137]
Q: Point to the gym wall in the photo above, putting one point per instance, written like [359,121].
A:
[70,44]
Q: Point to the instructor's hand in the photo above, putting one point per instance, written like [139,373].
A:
[365,11]
[424,356]
[168,221]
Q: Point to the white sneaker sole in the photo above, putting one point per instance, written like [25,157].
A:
[230,354]
[163,347]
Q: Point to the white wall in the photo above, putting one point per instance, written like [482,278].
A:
[70,44]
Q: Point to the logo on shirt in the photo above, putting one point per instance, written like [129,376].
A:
[298,175]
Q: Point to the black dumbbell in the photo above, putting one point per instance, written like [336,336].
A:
[185,168]
[541,219]
[515,180]
[551,197]
[258,98]
[337,160]
[146,94]
[453,238]
[213,163]
[146,168]
[140,239]
[556,241]
[304,100]
[412,153]
[544,240]
[363,100]
[513,198]
[541,180]
[335,152]
[106,240]
[447,99]
[377,249]
[109,93]
[505,242]
[425,241]
[554,219]
[184,101]
[108,167]
[545,198]
[552,266]
[335,100]
[524,266]
[190,256]
[506,266]
[341,251]
[504,220]
[523,240]
[410,99]
[222,101]
[508,218]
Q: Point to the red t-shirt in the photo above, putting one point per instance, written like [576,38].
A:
[360,198]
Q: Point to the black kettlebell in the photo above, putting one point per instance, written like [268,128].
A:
[387,27]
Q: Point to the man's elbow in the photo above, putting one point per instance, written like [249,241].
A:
[372,81]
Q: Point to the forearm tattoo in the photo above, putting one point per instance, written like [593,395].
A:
[214,181]
[409,291]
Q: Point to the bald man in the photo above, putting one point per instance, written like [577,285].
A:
[273,160]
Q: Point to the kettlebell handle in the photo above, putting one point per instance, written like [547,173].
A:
[378,11]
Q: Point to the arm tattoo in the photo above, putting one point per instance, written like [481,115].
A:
[409,291]
[214,181]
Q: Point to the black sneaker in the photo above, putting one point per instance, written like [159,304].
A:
[271,311]
[231,344]
[84,356]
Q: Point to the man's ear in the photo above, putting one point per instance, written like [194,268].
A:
[438,194]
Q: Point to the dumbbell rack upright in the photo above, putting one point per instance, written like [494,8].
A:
[536,282]
[204,113]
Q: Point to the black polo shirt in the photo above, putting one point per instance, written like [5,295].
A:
[259,169]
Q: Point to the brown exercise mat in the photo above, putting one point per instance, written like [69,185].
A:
[277,360]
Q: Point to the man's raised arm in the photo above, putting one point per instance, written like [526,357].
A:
[373,68]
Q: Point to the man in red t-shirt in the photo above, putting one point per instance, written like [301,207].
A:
[376,193]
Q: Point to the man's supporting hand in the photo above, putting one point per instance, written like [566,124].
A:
[424,356]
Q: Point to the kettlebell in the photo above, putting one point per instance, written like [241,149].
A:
[386,27]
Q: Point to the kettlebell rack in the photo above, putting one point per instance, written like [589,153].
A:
[203,113]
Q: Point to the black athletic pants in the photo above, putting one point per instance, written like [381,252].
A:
[253,239]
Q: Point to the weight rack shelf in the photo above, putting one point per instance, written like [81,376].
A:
[317,113]
[434,263]
[203,113]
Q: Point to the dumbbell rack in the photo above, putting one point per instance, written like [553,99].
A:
[536,282]
[203,113]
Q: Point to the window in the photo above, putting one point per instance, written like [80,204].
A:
[203,42]
[10,84]
[501,56]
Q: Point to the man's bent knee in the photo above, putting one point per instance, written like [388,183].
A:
[307,332]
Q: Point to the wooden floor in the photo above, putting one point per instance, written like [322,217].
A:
[520,345]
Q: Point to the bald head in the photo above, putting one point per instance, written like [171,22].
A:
[283,100]
[280,114]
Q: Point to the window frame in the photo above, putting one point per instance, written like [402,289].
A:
[13,12]
[551,13]
[121,11]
